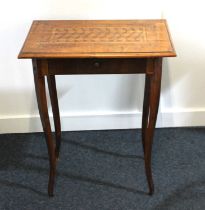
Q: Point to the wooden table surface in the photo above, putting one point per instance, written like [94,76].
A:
[98,39]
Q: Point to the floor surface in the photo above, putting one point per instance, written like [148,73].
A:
[104,170]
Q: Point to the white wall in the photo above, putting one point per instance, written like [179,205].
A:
[103,102]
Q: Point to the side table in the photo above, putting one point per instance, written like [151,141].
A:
[70,47]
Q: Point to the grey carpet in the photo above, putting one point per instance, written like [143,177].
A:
[103,170]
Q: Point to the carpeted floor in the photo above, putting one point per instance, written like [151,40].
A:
[103,170]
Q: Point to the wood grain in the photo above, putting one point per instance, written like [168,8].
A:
[98,39]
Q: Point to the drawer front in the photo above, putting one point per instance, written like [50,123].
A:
[96,66]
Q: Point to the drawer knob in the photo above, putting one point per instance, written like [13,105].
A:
[97,64]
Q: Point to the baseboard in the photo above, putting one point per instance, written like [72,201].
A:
[102,121]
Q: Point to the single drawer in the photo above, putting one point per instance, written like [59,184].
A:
[96,66]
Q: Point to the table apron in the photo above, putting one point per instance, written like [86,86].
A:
[96,66]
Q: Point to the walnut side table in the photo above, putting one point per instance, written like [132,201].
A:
[59,47]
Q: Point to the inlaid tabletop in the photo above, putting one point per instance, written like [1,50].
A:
[98,38]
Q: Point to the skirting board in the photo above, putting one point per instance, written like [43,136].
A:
[103,121]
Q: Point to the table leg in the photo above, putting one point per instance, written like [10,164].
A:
[39,81]
[145,109]
[150,110]
[55,108]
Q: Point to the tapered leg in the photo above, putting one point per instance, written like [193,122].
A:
[145,112]
[39,81]
[55,109]
[150,110]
